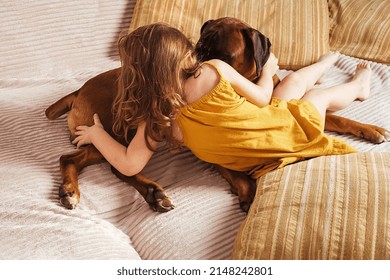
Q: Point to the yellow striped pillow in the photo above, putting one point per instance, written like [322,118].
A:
[298,30]
[334,207]
[361,28]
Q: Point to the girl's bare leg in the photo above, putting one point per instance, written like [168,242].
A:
[295,85]
[340,96]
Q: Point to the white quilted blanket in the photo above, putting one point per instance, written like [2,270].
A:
[44,57]
[48,49]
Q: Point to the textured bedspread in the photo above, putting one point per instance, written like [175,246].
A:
[53,53]
[46,57]
[111,215]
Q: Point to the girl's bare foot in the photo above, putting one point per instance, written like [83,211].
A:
[363,76]
[328,60]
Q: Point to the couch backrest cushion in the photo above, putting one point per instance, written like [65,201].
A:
[331,207]
[361,28]
[298,30]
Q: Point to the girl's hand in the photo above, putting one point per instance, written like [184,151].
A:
[84,133]
[271,65]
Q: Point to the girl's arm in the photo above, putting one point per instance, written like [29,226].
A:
[128,160]
[260,93]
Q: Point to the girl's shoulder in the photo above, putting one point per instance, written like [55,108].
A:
[201,83]
[223,69]
[217,64]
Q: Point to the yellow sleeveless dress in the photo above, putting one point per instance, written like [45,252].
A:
[224,128]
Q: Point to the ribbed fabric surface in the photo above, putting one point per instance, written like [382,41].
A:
[360,28]
[203,225]
[50,49]
[334,207]
[33,224]
[60,39]
[47,49]
[298,30]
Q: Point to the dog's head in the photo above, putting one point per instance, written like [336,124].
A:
[233,41]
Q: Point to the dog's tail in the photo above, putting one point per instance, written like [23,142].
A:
[61,106]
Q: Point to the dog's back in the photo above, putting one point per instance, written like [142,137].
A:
[95,96]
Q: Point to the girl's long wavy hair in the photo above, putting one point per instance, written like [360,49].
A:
[156,60]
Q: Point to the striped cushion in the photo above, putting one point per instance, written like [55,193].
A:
[298,30]
[334,207]
[361,28]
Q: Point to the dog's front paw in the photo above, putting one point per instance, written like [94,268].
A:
[376,134]
[68,199]
[386,136]
[158,200]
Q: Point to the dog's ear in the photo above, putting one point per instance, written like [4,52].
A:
[207,47]
[205,24]
[260,45]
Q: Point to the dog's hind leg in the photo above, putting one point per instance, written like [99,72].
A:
[241,185]
[71,165]
[372,133]
[60,107]
[152,192]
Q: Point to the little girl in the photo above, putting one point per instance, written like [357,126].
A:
[223,118]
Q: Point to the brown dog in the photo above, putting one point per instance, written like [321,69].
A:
[228,39]
[96,96]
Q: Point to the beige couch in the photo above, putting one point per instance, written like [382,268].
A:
[325,208]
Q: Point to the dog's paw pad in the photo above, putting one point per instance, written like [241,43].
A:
[69,202]
[163,205]
[158,200]
[68,199]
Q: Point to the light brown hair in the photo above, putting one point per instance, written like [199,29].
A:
[156,60]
